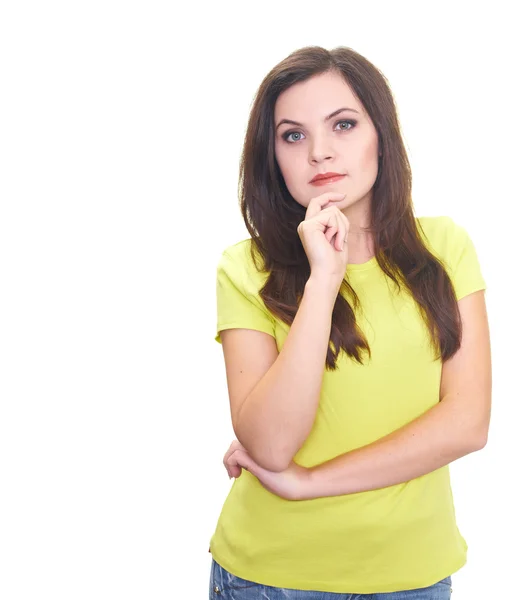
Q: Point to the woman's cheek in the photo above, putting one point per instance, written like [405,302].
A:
[370,159]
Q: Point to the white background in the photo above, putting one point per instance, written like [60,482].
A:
[120,131]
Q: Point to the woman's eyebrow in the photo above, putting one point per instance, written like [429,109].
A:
[333,114]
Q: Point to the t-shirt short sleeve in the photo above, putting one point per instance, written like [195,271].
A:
[465,268]
[238,304]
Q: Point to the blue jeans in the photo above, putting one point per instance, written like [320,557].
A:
[225,586]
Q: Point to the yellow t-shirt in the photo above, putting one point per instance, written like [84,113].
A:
[396,538]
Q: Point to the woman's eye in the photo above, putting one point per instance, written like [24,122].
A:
[287,135]
[350,125]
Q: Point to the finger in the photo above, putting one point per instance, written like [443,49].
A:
[345,229]
[316,204]
[231,464]
[320,222]
[245,461]
[339,229]
[233,471]
[339,240]
[336,224]
[341,234]
[332,229]
[232,448]
[226,460]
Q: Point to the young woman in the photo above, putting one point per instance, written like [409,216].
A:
[351,385]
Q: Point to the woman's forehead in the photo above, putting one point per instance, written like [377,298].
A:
[318,97]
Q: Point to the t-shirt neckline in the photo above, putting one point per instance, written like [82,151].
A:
[370,264]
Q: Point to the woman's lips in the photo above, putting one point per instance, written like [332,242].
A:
[328,180]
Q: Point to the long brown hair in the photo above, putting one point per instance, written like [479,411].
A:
[271,215]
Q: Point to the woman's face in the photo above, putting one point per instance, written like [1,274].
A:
[332,134]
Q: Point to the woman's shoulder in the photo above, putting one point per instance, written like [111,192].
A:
[452,244]
[441,234]
[238,255]
[436,226]
[239,250]
[237,261]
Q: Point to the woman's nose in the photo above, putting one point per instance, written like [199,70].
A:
[317,158]
[320,151]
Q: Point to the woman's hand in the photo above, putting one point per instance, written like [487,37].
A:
[324,235]
[292,484]
[233,470]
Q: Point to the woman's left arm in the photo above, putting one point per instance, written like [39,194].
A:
[455,427]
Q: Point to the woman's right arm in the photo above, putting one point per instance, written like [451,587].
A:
[274,396]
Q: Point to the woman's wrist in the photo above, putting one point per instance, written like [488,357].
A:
[323,284]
